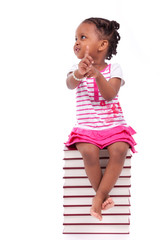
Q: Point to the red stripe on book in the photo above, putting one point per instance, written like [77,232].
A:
[116,205]
[87,177]
[70,168]
[83,196]
[103,214]
[94,233]
[115,186]
[127,157]
[94,224]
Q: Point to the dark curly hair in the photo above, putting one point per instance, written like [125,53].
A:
[107,30]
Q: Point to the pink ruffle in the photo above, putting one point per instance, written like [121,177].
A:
[103,138]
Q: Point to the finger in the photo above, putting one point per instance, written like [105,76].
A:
[88,56]
[87,51]
[88,73]
[87,61]
[90,59]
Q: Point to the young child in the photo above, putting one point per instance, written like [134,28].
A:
[100,121]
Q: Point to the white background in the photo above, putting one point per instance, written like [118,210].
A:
[37,110]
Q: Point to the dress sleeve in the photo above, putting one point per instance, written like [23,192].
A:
[116,71]
[73,68]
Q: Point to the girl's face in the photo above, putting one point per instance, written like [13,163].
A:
[86,35]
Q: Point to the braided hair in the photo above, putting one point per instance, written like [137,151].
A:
[107,30]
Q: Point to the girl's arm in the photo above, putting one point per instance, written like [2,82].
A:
[108,89]
[71,82]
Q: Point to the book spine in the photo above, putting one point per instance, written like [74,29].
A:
[79,194]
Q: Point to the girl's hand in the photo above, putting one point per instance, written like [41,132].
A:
[93,72]
[85,64]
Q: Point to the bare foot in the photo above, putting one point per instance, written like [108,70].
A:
[96,208]
[108,203]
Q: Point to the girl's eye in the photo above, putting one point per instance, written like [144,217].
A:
[83,37]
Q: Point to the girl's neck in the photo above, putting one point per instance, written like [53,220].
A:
[100,66]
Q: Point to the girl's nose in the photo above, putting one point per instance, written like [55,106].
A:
[77,42]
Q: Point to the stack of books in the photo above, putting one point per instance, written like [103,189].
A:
[78,194]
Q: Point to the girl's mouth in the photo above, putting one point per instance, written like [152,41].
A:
[76,49]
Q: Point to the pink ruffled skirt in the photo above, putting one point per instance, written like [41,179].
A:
[103,138]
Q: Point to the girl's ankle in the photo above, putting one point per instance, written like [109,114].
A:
[102,195]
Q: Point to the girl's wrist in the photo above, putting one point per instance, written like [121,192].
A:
[77,76]
[97,75]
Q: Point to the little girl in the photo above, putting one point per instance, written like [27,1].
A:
[100,121]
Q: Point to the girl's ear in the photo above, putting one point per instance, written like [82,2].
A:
[103,45]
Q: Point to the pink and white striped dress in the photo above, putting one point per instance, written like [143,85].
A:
[99,121]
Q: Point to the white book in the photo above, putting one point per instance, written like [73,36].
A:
[126,172]
[87,201]
[123,210]
[86,182]
[70,163]
[101,229]
[122,219]
[74,153]
[90,192]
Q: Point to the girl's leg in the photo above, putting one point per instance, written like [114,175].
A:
[117,154]
[90,154]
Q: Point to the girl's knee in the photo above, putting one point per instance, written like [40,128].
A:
[118,150]
[89,153]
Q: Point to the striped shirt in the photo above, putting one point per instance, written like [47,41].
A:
[92,110]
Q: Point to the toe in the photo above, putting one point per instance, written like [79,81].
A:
[96,214]
[108,203]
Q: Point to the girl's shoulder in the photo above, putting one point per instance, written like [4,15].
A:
[116,71]
[73,68]
[115,66]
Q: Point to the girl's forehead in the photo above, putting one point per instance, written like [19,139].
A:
[86,28]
